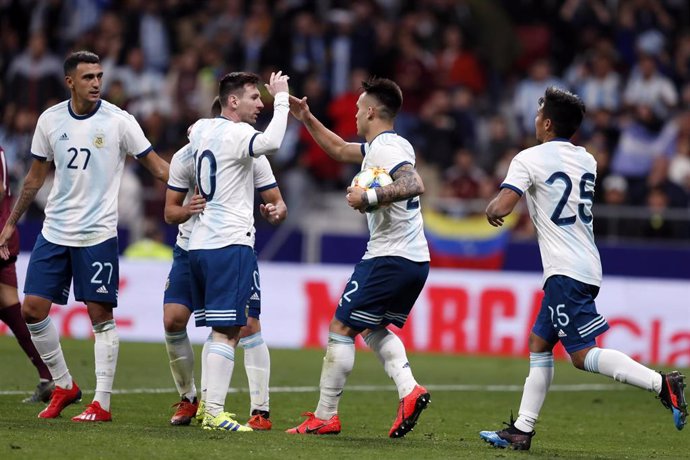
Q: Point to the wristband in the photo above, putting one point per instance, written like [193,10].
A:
[372,197]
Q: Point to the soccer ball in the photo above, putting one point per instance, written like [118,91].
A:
[372,178]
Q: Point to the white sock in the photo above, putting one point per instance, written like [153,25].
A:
[204,357]
[181,358]
[537,385]
[391,352]
[337,365]
[219,363]
[45,337]
[105,350]
[257,363]
[622,368]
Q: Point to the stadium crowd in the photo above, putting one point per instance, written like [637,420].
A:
[471,72]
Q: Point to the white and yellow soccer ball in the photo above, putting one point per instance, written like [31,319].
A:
[372,178]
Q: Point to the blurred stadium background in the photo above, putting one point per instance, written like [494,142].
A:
[471,72]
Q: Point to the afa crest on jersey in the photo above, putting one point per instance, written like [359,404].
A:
[99,140]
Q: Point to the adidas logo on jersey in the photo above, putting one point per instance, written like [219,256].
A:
[64,137]
[254,296]
[102,290]
[561,333]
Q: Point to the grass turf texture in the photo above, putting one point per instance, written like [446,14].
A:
[619,422]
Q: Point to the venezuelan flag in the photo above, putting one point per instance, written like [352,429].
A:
[468,242]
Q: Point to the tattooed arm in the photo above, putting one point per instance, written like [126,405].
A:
[32,183]
[406,184]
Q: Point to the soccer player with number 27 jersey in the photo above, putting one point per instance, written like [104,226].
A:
[87,140]
[558,180]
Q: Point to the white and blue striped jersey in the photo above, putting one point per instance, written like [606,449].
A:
[89,155]
[559,180]
[224,153]
[396,229]
[182,179]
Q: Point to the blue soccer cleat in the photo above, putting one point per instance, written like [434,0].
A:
[510,437]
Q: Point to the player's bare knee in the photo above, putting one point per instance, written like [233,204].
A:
[338,327]
[578,358]
[173,323]
[252,327]
[34,310]
[538,345]
[99,312]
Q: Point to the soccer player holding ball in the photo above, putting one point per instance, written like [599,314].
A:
[392,273]
[558,179]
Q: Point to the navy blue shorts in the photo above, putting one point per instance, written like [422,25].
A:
[94,270]
[381,291]
[178,287]
[222,282]
[568,313]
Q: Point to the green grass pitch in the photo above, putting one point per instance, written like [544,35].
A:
[469,394]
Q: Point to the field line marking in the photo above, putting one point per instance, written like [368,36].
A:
[372,388]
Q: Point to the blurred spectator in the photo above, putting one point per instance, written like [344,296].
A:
[34,78]
[658,179]
[343,108]
[144,88]
[464,178]
[640,142]
[649,87]
[16,133]
[437,137]
[528,92]
[412,73]
[600,89]
[307,49]
[494,142]
[341,51]
[385,50]
[614,194]
[657,225]
[456,65]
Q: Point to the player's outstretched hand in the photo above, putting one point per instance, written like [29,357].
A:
[272,213]
[355,198]
[5,236]
[278,83]
[299,108]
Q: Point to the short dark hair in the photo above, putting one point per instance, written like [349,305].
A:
[234,83]
[77,57]
[387,92]
[565,110]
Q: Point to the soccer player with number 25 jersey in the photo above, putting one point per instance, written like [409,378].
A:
[87,139]
[558,179]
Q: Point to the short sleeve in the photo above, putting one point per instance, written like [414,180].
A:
[263,174]
[181,170]
[394,157]
[40,144]
[134,141]
[518,178]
